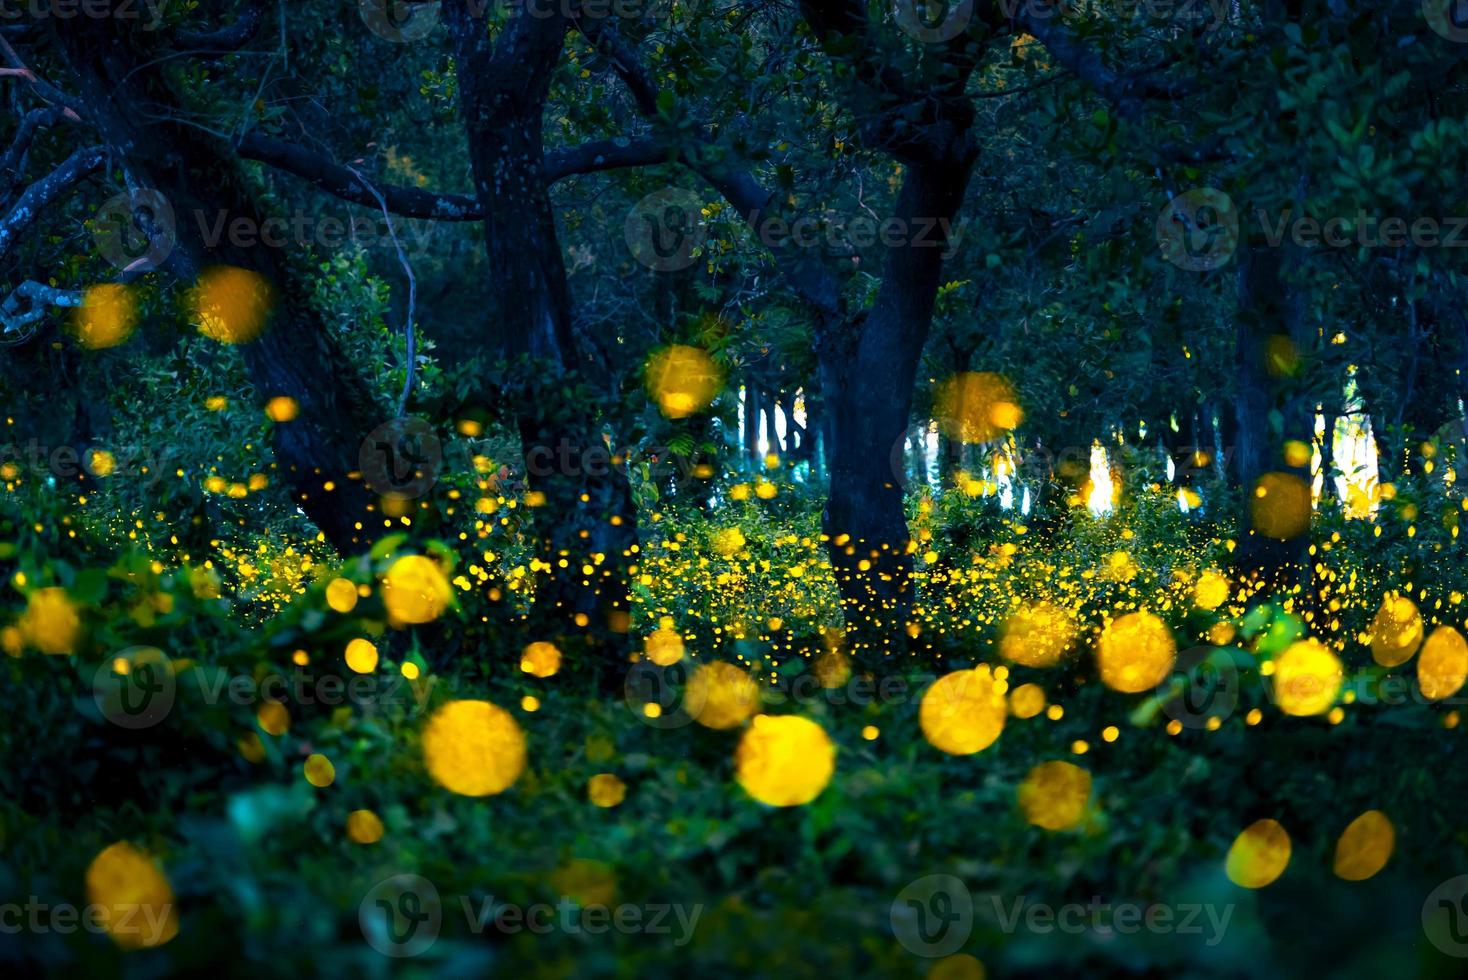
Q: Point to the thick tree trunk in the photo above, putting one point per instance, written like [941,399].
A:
[1269,307]
[116,67]
[586,522]
[868,371]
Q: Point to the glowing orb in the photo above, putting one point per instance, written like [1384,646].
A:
[1259,854]
[784,760]
[1054,795]
[1135,652]
[473,748]
[963,712]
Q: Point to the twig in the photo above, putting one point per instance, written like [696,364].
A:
[412,346]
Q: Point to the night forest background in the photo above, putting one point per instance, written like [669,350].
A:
[733,487]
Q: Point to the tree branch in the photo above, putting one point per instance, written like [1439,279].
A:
[339,181]
[37,299]
[25,134]
[45,191]
[610,154]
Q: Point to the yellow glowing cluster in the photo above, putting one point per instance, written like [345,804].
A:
[233,305]
[141,909]
[683,380]
[784,760]
[976,406]
[415,590]
[964,712]
[1136,652]
[473,748]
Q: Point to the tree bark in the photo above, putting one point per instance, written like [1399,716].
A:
[586,522]
[317,452]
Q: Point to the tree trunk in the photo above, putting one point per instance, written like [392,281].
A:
[1269,306]
[868,370]
[586,521]
[318,452]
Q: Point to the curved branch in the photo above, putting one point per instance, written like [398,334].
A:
[45,191]
[28,303]
[25,134]
[610,154]
[339,181]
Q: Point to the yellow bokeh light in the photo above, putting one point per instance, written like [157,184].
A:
[140,909]
[106,317]
[1280,506]
[364,827]
[361,655]
[1037,635]
[683,380]
[963,712]
[721,695]
[318,770]
[540,659]
[282,408]
[1364,846]
[664,647]
[1054,795]
[1307,678]
[605,790]
[233,305]
[415,590]
[1259,854]
[51,622]
[473,748]
[784,760]
[1211,590]
[976,406]
[341,595]
[1135,652]
[1443,666]
[1396,631]
[1027,700]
